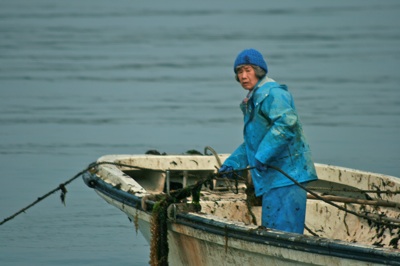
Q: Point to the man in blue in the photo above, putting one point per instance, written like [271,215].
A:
[273,136]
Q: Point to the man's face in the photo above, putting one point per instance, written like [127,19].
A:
[247,77]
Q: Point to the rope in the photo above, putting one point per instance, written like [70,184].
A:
[39,199]
[338,206]
[62,187]
[356,190]
[214,153]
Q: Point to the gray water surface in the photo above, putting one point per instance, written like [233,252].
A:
[81,79]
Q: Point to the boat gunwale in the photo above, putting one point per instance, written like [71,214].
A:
[309,244]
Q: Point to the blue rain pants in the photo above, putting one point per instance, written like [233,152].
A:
[284,208]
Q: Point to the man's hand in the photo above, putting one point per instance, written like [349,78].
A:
[226,171]
[261,167]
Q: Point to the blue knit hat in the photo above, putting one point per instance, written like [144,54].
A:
[250,57]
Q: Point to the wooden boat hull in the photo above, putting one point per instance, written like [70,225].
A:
[195,239]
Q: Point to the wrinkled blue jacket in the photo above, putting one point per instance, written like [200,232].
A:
[273,135]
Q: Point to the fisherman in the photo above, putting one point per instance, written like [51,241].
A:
[273,136]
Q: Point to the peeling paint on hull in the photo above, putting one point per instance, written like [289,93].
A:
[209,238]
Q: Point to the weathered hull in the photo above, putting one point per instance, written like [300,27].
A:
[195,239]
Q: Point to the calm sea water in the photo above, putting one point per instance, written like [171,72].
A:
[81,79]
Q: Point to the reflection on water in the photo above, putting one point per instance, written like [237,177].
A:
[78,81]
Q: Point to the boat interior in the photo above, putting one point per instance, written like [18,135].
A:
[222,200]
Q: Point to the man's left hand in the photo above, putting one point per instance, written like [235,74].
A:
[260,166]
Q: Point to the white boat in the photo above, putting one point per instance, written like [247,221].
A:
[227,231]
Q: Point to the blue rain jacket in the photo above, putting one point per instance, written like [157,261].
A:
[273,135]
